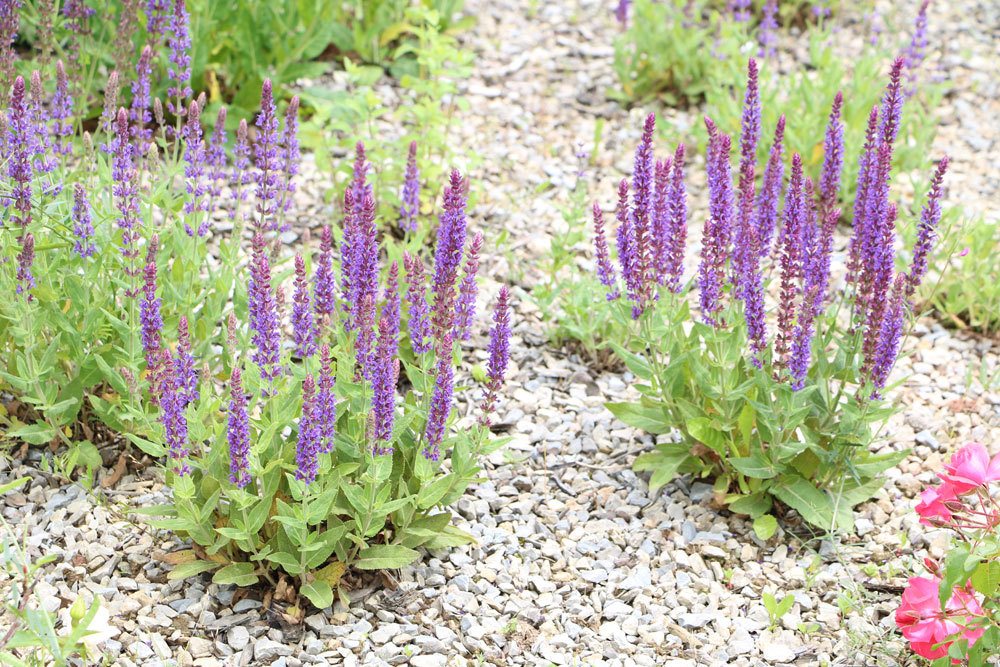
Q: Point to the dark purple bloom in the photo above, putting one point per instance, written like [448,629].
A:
[448,255]
[833,158]
[303,328]
[817,247]
[386,366]
[174,420]
[750,120]
[465,310]
[416,299]
[290,154]
[499,353]
[238,432]
[605,270]
[640,281]
[768,26]
[62,113]
[930,216]
[770,191]
[866,164]
[151,321]
[624,236]
[194,170]
[746,246]
[793,223]
[410,198]
[10,11]
[892,104]
[308,444]
[215,158]
[325,289]
[678,222]
[661,218]
[621,12]
[263,309]
[364,263]
[326,400]
[126,195]
[390,298]
[876,282]
[83,228]
[890,334]
[18,141]
[266,159]
[187,376]
[242,174]
[437,417]
[717,233]
[179,67]
[25,258]
[139,113]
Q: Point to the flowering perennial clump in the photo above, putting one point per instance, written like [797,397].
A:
[729,427]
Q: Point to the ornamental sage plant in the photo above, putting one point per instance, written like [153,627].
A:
[771,377]
[333,444]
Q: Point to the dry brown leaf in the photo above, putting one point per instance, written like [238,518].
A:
[116,473]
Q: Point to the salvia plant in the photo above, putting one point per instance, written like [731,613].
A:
[950,616]
[333,448]
[763,370]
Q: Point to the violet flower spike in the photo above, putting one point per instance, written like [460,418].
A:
[326,402]
[303,327]
[25,258]
[866,164]
[10,12]
[790,261]
[241,174]
[624,238]
[890,335]
[410,198]
[238,432]
[18,141]
[917,48]
[833,158]
[157,18]
[266,160]
[437,417]
[83,228]
[384,383]
[126,195]
[605,269]
[678,222]
[109,115]
[43,160]
[194,171]
[151,321]
[767,29]
[139,113]
[215,159]
[187,375]
[499,354]
[179,66]
[448,255]
[416,299]
[290,155]
[465,310]
[263,308]
[325,288]
[174,420]
[308,444]
[930,218]
[641,292]
[62,114]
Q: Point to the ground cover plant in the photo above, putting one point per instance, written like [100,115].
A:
[789,417]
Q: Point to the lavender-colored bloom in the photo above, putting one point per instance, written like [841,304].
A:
[266,158]
[717,234]
[499,353]
[325,288]
[25,258]
[621,12]
[365,338]
[241,175]
[187,375]
[410,198]
[437,417]
[768,26]
[126,194]
[930,217]
[174,420]
[18,141]
[746,250]
[390,298]
[624,237]
[448,255]
[770,191]
[640,288]
[740,10]
[263,308]
[605,270]
[151,321]
[215,158]
[290,154]
[326,401]
[83,228]
[139,114]
[661,218]
[109,114]
[790,261]
[62,113]
[890,335]
[194,170]
[416,299]
[750,119]
[917,48]
[238,432]
[678,222]
[308,444]
[817,247]
[179,66]
[43,160]
[386,366]
[833,157]
[303,328]
[465,310]
[891,113]
[157,17]
[866,163]
[10,11]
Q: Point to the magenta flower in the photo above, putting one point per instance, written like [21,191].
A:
[931,627]
[970,468]
[936,505]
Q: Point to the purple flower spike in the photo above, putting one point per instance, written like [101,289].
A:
[448,255]
[391,301]
[290,154]
[266,160]
[717,234]
[126,195]
[917,49]
[437,418]
[624,238]
[194,170]
[62,113]
[741,10]
[325,289]
[768,26]
[187,376]
[263,308]
[179,67]
[215,159]
[384,383]
[10,12]
[930,217]
[41,143]
[83,228]
[468,290]
[303,328]
[149,309]
[499,353]
[18,141]
[678,222]
[866,164]
[605,270]
[25,258]
[892,103]
[242,174]
[326,402]
[750,121]
[174,419]
[410,207]
[157,17]
[238,432]
[790,260]
[890,334]
[621,12]
[109,115]
[308,445]
[833,158]
[641,288]
[661,218]
[416,299]
[140,114]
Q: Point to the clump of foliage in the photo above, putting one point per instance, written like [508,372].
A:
[953,615]
[789,417]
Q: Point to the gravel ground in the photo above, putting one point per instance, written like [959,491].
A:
[576,562]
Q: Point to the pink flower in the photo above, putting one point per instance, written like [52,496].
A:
[970,468]
[933,506]
[931,629]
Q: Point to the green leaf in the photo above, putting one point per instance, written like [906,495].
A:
[450,537]
[815,506]
[287,561]
[432,494]
[38,433]
[319,593]
[704,431]
[765,526]
[194,568]
[385,557]
[986,578]
[240,574]
[153,449]
[651,419]
[756,466]
[13,484]
[753,505]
